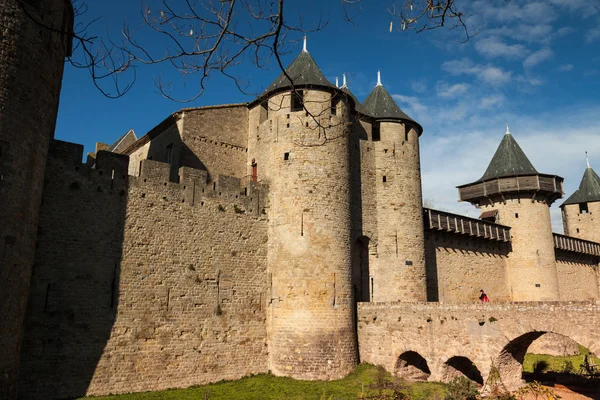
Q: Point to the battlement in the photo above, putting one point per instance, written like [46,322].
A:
[445,221]
[109,175]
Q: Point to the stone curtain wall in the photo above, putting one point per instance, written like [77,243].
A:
[478,332]
[183,304]
[459,266]
[31,68]
[218,138]
[578,276]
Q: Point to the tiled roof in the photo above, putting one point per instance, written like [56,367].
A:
[589,189]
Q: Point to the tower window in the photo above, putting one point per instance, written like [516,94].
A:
[516,215]
[169,154]
[384,179]
[297,100]
[334,104]
[286,156]
[583,208]
[376,134]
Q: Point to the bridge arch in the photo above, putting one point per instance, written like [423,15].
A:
[461,366]
[510,359]
[412,366]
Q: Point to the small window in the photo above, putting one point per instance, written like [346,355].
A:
[286,156]
[516,215]
[577,230]
[583,208]
[297,100]
[169,154]
[408,262]
[384,179]
[376,132]
[537,285]
[334,104]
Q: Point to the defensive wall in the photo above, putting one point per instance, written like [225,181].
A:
[464,255]
[435,341]
[32,56]
[143,284]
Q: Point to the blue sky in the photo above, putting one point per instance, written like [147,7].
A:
[535,65]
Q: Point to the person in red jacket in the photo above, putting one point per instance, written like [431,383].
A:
[483,297]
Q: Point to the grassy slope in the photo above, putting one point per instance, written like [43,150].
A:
[269,387]
[557,363]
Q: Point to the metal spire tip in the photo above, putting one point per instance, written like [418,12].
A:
[507,130]
[304,47]
[378,78]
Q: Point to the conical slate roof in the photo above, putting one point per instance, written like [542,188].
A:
[303,71]
[379,104]
[357,105]
[589,189]
[509,160]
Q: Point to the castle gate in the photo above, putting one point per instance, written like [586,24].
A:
[436,342]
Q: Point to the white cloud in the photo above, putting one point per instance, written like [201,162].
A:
[491,101]
[565,67]
[493,47]
[592,35]
[451,91]
[412,106]
[505,12]
[459,156]
[486,73]
[419,86]
[538,57]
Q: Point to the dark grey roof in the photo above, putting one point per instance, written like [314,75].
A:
[357,105]
[509,160]
[303,71]
[589,189]
[380,105]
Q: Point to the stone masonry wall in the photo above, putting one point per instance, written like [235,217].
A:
[399,271]
[146,286]
[459,266]
[218,138]
[310,299]
[531,265]
[31,68]
[582,225]
[578,276]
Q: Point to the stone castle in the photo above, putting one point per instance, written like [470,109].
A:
[266,236]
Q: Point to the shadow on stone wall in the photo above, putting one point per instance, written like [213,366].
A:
[75,282]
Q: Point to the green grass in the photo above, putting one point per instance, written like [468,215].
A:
[269,387]
[557,363]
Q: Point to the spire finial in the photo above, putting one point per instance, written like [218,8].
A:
[507,130]
[304,48]
[344,80]
[378,78]
[337,83]
[587,161]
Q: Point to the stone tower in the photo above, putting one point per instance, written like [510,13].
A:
[513,193]
[581,211]
[31,67]
[299,146]
[399,271]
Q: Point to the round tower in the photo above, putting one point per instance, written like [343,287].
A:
[299,146]
[399,269]
[31,66]
[512,191]
[581,211]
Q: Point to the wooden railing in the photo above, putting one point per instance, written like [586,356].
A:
[549,184]
[568,243]
[444,221]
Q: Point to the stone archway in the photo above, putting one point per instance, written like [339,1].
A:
[510,360]
[461,366]
[412,366]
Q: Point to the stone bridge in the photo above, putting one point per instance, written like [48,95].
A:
[437,342]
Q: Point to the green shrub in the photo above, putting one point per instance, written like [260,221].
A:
[540,366]
[462,388]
